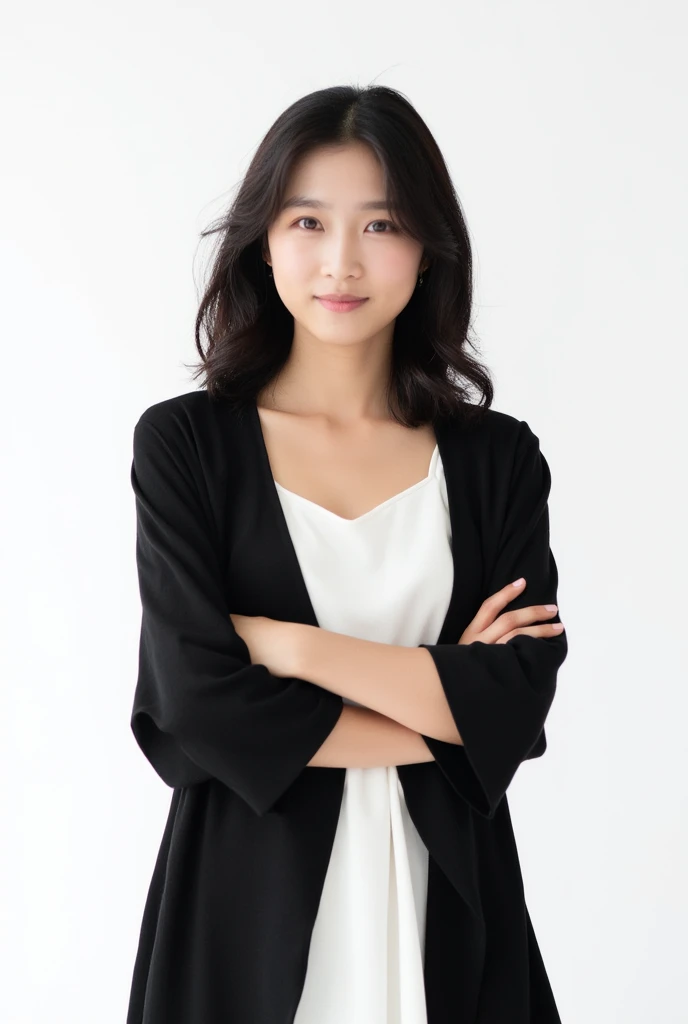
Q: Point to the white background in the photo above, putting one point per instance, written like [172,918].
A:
[125,129]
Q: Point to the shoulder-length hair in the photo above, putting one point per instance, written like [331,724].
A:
[248,328]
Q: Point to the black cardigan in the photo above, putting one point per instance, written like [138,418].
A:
[237,882]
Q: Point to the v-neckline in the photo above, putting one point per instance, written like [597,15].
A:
[376,508]
[277,487]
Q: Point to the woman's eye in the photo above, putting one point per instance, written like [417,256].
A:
[305,218]
[389,224]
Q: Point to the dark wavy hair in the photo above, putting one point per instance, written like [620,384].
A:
[249,329]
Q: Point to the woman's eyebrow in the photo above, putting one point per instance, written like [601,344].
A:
[318,204]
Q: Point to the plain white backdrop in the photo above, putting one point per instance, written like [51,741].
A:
[125,129]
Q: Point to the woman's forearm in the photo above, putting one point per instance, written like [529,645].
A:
[362,738]
[399,682]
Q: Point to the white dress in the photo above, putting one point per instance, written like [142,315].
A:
[385,576]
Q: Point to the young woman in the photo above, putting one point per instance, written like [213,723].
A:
[349,638]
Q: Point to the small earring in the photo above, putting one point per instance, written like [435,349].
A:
[420,279]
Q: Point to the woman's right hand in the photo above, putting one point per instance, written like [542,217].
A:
[489,627]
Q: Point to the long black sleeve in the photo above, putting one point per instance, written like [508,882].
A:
[500,694]
[201,709]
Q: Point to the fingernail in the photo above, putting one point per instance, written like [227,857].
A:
[557,625]
[551,607]
[517,583]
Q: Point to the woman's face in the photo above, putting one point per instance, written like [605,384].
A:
[340,246]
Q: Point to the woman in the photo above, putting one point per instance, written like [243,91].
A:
[350,637]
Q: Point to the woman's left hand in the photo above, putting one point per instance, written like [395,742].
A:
[271,642]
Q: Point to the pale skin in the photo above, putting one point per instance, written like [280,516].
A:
[330,438]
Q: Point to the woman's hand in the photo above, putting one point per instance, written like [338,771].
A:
[491,628]
[271,642]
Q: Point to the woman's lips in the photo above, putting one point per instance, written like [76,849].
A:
[341,307]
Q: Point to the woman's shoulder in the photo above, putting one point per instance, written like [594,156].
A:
[499,431]
[191,405]
[193,417]
[192,436]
